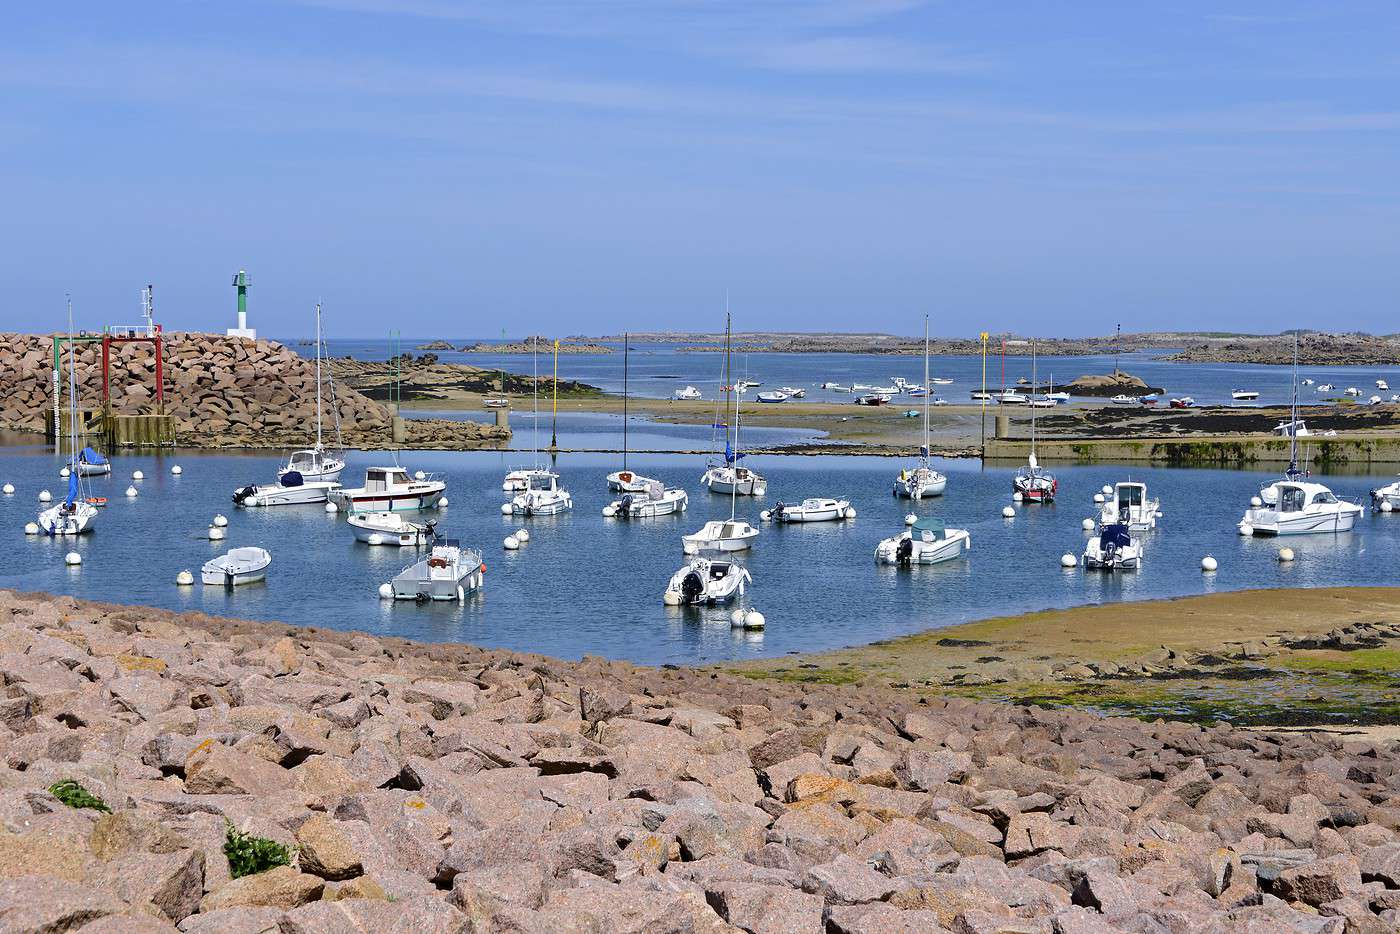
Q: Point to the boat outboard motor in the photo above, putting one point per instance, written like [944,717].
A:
[242,494]
[1111,539]
[905,552]
[778,511]
[692,587]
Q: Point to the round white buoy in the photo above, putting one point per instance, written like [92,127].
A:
[671,598]
[215,533]
[442,503]
[511,543]
[9,489]
[332,507]
[1098,498]
[1087,525]
[1285,555]
[689,548]
[1107,490]
[220,520]
[130,492]
[910,519]
[765,515]
[1017,497]
[1008,513]
[1385,503]
[45,496]
[1068,560]
[522,536]
[31,529]
[184,578]
[609,511]
[505,509]
[72,558]
[137,475]
[1256,502]
[737,617]
[754,620]
[64,472]
[850,512]
[177,470]
[1208,563]
[375,539]
[1246,528]
[386,591]
[420,475]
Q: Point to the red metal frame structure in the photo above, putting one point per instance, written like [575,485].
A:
[108,339]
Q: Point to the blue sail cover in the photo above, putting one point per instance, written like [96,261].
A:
[72,487]
[89,456]
[729,455]
[292,478]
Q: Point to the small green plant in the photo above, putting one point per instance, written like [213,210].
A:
[248,854]
[76,796]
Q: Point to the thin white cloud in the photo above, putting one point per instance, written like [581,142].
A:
[854,54]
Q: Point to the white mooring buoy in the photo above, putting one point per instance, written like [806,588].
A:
[184,578]
[910,519]
[671,598]
[137,475]
[442,503]
[609,511]
[72,559]
[45,496]
[215,533]
[1087,525]
[9,489]
[64,472]
[1385,503]
[177,470]
[31,528]
[505,509]
[1285,555]
[754,620]
[1107,490]
[1208,563]
[522,536]
[1246,529]
[131,492]
[220,520]
[1068,560]
[1008,513]
[386,592]
[511,543]
[332,507]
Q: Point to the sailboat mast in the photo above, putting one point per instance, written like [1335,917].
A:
[72,392]
[554,424]
[1293,417]
[625,349]
[928,391]
[535,385]
[318,376]
[1032,399]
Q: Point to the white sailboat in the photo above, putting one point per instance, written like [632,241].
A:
[74,515]
[543,494]
[732,534]
[317,465]
[1035,484]
[624,480]
[729,477]
[921,480]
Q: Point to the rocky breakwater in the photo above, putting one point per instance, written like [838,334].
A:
[165,770]
[222,392]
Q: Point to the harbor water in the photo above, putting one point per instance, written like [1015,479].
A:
[585,584]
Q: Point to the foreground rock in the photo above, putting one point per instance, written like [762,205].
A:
[449,788]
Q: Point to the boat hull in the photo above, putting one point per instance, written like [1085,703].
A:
[825,513]
[388,502]
[304,495]
[915,488]
[1268,522]
[650,509]
[955,545]
[438,590]
[527,505]
[727,485]
[54,521]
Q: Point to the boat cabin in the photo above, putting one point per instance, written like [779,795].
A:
[541,482]
[384,479]
[1296,497]
[1130,496]
[930,530]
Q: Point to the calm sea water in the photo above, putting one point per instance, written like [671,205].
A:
[589,585]
[655,370]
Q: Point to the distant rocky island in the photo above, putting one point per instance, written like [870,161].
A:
[1314,349]
[534,343]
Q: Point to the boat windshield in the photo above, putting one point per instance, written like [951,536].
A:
[1325,496]
[541,482]
[1129,496]
[1291,499]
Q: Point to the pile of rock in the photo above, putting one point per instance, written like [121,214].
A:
[448,788]
[222,390]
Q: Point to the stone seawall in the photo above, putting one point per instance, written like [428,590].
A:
[410,787]
[222,391]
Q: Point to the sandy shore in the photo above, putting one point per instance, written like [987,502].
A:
[1324,657]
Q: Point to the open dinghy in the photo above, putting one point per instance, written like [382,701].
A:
[245,565]
[655,500]
[391,528]
[705,582]
[449,573]
[812,509]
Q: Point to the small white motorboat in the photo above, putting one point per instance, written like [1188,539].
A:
[812,509]
[543,497]
[705,582]
[518,480]
[314,464]
[1011,397]
[940,381]
[772,396]
[1042,402]
[873,398]
[1326,387]
[793,392]
[391,528]
[1113,549]
[836,387]
[1374,400]
[623,481]
[245,565]
[1180,402]
[495,402]
[1382,385]
[289,490]
[1308,382]
[1390,493]
[886,390]
[686,393]
[1300,508]
[929,541]
[722,535]
[919,482]
[861,387]
[1351,391]
[734,480]
[1130,506]
[1293,428]
[655,500]
[390,489]
[1060,396]
[1244,395]
[449,572]
[1124,399]
[979,396]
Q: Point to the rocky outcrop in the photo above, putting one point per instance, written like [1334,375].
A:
[539,343]
[1314,349]
[425,379]
[1109,385]
[444,787]
[222,391]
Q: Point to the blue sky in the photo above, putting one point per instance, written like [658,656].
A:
[579,166]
